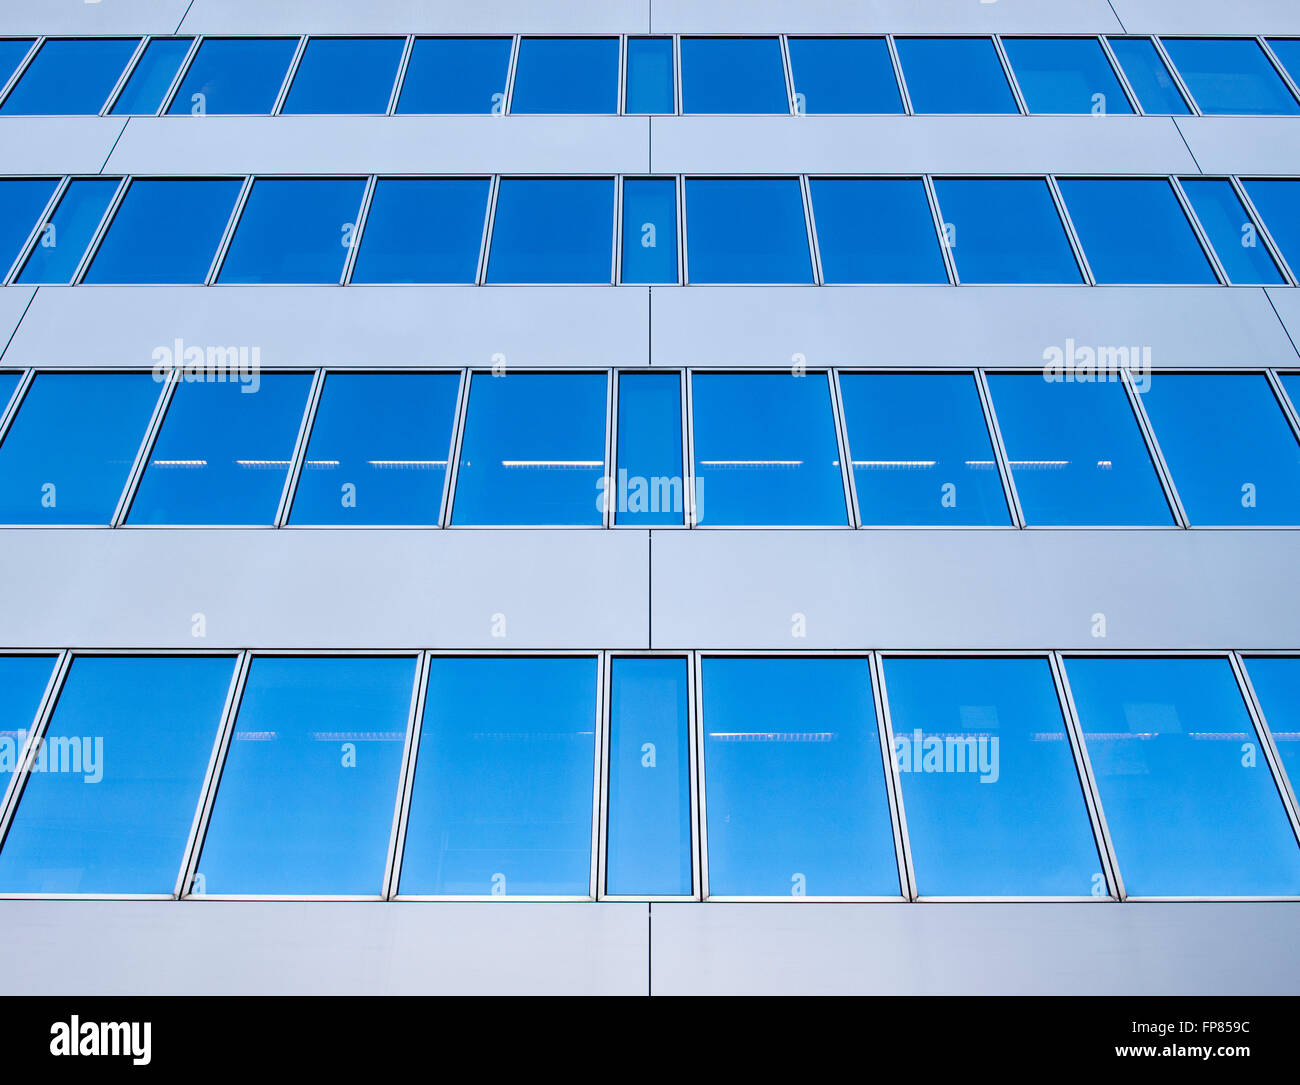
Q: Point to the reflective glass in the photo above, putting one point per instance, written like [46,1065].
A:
[650,486]
[955,75]
[456,75]
[1230,75]
[553,230]
[1149,76]
[1065,75]
[152,76]
[794,780]
[649,75]
[1278,203]
[345,75]
[746,230]
[67,232]
[378,450]
[305,802]
[1287,50]
[21,204]
[843,75]
[1190,803]
[649,230]
[235,75]
[648,852]
[8,382]
[876,230]
[22,685]
[733,75]
[501,804]
[12,52]
[921,450]
[423,230]
[109,804]
[566,75]
[1276,682]
[70,76]
[1232,233]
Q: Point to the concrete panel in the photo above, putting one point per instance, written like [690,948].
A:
[13,303]
[1208,17]
[1244,145]
[84,17]
[57,145]
[1287,303]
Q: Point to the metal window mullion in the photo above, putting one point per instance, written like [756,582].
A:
[92,246]
[1285,785]
[400,77]
[299,448]
[489,220]
[695,775]
[616,248]
[700,826]
[678,97]
[516,47]
[683,271]
[363,212]
[1071,234]
[611,447]
[810,224]
[1279,67]
[597,789]
[141,461]
[402,807]
[842,439]
[936,213]
[692,517]
[1134,102]
[182,69]
[289,76]
[1153,448]
[8,85]
[904,94]
[1290,409]
[457,442]
[602,777]
[141,45]
[620,106]
[1021,104]
[787,69]
[1009,492]
[228,235]
[893,779]
[1202,238]
[1189,99]
[33,238]
[444,500]
[10,796]
[1290,275]
[9,409]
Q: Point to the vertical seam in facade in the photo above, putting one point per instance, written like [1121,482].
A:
[1179,129]
[19,322]
[186,15]
[1111,4]
[1285,330]
[121,132]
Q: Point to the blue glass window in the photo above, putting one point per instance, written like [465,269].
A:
[1135,231]
[1278,202]
[993,800]
[70,76]
[566,75]
[843,75]
[1276,682]
[765,450]
[795,796]
[378,450]
[70,449]
[1005,230]
[65,235]
[553,230]
[152,76]
[877,230]
[746,230]
[648,852]
[1230,75]
[306,798]
[12,53]
[649,230]
[1229,448]
[501,804]
[533,450]
[21,204]
[109,804]
[294,231]
[1148,76]
[1188,797]
[423,230]
[235,75]
[224,451]
[1065,75]
[650,487]
[1076,452]
[649,75]
[8,382]
[164,231]
[456,75]
[955,75]
[733,75]
[920,449]
[1287,50]
[1231,231]
[345,75]
[22,686]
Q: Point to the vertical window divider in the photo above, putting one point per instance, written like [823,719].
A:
[42,220]
[904,95]
[1285,786]
[1021,104]
[9,409]
[1087,780]
[598,794]
[611,448]
[223,246]
[1202,239]
[695,776]
[173,88]
[842,438]
[683,273]
[606,700]
[494,186]
[620,109]
[699,797]
[936,213]
[616,264]
[1076,243]
[893,783]
[457,441]
[1133,100]
[692,518]
[999,450]
[299,449]
[1278,66]
[141,460]
[1290,409]
[678,109]
[787,68]
[141,45]
[516,44]
[402,806]
[1172,68]
[289,76]
[23,65]
[10,796]
[92,246]
[211,781]
[400,77]
[1153,449]
[363,213]
[810,223]
[1289,274]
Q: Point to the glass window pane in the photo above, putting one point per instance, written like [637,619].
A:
[378,449]
[153,75]
[423,230]
[294,231]
[1065,75]
[21,204]
[456,75]
[67,232]
[12,53]
[1233,457]
[993,800]
[723,243]
[1148,76]
[533,450]
[1135,231]
[501,804]
[1232,233]
[921,450]
[22,685]
[1230,75]
[954,75]
[70,449]
[1287,50]
[1005,231]
[164,231]
[1276,682]
[876,230]
[235,75]
[733,75]
[305,802]
[651,486]
[796,802]
[1278,202]
[648,852]
[765,450]
[1188,797]
[566,75]
[649,75]
[8,382]
[1076,452]
[70,76]
[843,75]
[649,230]
[345,75]
[553,230]
[109,805]
[222,455]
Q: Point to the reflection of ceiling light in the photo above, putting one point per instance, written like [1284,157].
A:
[553,463]
[256,736]
[263,463]
[751,463]
[1105,465]
[180,463]
[322,463]
[893,463]
[422,464]
[359,736]
[772,736]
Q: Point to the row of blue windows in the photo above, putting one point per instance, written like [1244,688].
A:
[1075,446]
[718,75]
[1071,230]
[916,776]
